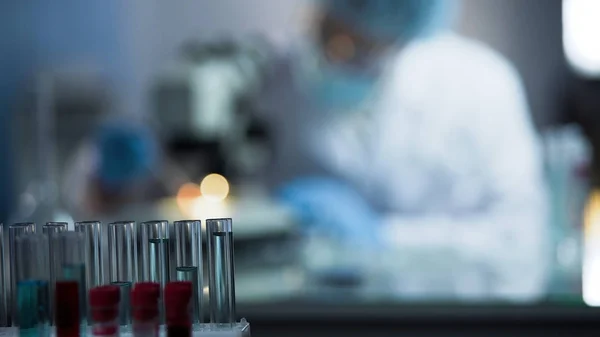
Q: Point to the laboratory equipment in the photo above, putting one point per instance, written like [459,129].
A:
[153,238]
[92,252]
[188,262]
[14,231]
[145,311]
[122,253]
[51,229]
[104,310]
[221,271]
[66,310]
[32,314]
[71,264]
[54,227]
[206,112]
[177,308]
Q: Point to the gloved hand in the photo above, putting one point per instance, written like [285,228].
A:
[331,206]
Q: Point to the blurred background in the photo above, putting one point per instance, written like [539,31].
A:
[382,160]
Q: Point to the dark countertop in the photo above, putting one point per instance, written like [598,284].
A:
[315,319]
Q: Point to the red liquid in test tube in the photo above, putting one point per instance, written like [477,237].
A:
[104,309]
[177,309]
[144,300]
[67,309]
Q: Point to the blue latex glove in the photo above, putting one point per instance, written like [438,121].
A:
[127,153]
[333,207]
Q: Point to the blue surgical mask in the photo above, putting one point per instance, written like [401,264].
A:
[338,90]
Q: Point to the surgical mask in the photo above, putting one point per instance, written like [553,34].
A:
[337,90]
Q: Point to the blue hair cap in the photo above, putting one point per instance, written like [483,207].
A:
[394,19]
[127,152]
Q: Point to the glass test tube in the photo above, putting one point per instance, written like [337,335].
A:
[92,252]
[32,285]
[14,231]
[221,279]
[188,262]
[50,229]
[154,251]
[122,255]
[71,265]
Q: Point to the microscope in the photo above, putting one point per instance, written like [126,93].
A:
[204,109]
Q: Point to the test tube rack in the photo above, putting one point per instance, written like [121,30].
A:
[96,238]
[241,329]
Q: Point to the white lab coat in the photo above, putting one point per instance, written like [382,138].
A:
[446,151]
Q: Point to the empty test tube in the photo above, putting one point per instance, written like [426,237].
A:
[54,227]
[122,255]
[188,262]
[51,229]
[14,231]
[33,298]
[221,279]
[92,252]
[70,264]
[154,251]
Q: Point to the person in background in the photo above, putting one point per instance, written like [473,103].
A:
[391,130]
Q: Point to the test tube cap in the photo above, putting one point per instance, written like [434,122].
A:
[144,300]
[105,296]
[177,303]
[145,294]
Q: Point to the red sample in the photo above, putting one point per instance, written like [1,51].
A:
[66,308]
[104,308]
[177,309]
[144,300]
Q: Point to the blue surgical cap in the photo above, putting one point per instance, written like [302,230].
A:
[393,19]
[127,153]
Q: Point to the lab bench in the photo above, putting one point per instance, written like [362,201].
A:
[309,318]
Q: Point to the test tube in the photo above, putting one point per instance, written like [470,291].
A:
[92,252]
[188,262]
[14,231]
[51,229]
[122,254]
[32,294]
[154,251]
[71,265]
[54,227]
[221,283]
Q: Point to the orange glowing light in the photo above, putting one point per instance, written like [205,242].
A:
[186,195]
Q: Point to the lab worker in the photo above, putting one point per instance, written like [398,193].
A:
[393,131]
